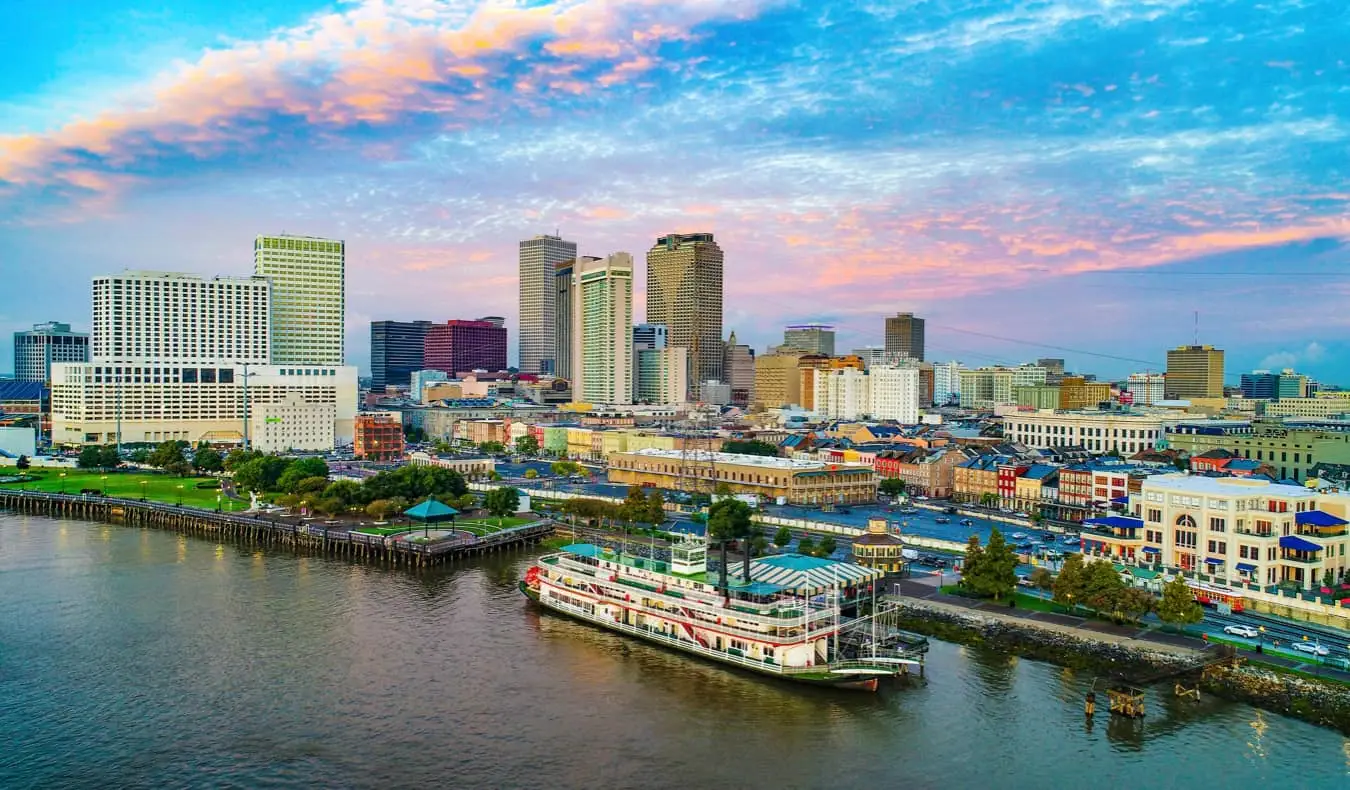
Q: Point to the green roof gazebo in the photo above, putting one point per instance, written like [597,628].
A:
[431,511]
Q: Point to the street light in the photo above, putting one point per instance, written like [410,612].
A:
[105,485]
[180,494]
[217,503]
[63,482]
[144,483]
[1261,639]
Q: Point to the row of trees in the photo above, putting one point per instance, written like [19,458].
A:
[385,494]
[1099,586]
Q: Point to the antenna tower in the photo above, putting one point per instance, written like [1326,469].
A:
[698,472]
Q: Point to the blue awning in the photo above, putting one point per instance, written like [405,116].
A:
[1213,561]
[1152,550]
[1298,544]
[1245,567]
[1120,500]
[1319,518]
[1115,522]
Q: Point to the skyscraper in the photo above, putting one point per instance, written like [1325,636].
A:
[684,292]
[739,366]
[602,330]
[462,346]
[1194,372]
[539,259]
[811,338]
[904,336]
[396,349]
[309,297]
[649,337]
[36,349]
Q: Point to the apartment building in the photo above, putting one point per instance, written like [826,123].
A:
[309,297]
[1123,433]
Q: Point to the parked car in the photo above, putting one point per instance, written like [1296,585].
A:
[1311,648]
[1244,631]
[1020,514]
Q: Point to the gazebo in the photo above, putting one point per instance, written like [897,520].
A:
[431,511]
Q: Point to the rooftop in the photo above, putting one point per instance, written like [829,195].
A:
[1225,486]
[20,390]
[732,459]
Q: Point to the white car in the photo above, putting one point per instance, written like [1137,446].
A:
[1312,648]
[1245,631]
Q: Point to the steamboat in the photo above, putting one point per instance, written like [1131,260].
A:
[789,616]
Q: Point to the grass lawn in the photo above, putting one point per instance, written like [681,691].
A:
[384,531]
[159,488]
[486,526]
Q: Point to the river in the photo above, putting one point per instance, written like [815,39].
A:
[138,658]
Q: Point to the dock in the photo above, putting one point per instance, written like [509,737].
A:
[261,530]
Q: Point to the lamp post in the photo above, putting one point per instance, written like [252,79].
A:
[144,483]
[180,494]
[1261,639]
[217,503]
[105,485]
[63,482]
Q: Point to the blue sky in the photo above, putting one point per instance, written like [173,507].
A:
[1081,175]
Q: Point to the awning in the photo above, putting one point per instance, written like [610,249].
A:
[1246,567]
[1298,544]
[1213,561]
[1319,518]
[1152,550]
[1120,500]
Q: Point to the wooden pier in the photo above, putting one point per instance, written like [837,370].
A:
[260,530]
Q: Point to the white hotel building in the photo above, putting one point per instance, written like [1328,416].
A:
[1099,431]
[175,356]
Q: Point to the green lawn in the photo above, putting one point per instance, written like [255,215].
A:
[486,526]
[384,531]
[160,488]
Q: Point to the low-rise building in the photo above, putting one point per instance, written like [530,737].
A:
[379,436]
[1120,432]
[469,467]
[795,481]
[1289,448]
[880,547]
[976,479]
[1035,488]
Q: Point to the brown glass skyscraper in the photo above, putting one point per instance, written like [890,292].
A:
[684,292]
[904,336]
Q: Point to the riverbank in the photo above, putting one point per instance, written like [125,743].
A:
[1321,702]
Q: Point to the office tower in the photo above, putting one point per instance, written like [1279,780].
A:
[1260,384]
[396,349]
[1194,372]
[684,292]
[662,375]
[36,349]
[461,346]
[649,336]
[896,393]
[811,338]
[602,330]
[871,355]
[496,320]
[904,336]
[539,259]
[1291,385]
[181,357]
[1146,389]
[309,297]
[778,380]
[739,365]
[947,382]
[927,383]
[419,380]
[1054,366]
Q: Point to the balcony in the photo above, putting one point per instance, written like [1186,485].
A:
[1300,557]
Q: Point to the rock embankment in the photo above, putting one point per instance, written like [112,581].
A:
[1321,702]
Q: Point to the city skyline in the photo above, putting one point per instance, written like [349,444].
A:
[1094,207]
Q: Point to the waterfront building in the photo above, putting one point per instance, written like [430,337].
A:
[984,389]
[904,336]
[309,308]
[796,481]
[462,346]
[1235,529]
[810,338]
[880,548]
[396,350]
[777,380]
[895,393]
[738,364]
[1146,389]
[947,382]
[539,272]
[1120,432]
[684,292]
[602,330]
[36,349]
[1194,372]
[378,436]
[1291,449]
[662,375]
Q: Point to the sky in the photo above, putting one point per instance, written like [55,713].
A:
[1096,180]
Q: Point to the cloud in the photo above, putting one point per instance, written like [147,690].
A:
[1312,354]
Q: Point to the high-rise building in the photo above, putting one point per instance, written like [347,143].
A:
[419,380]
[872,355]
[539,272]
[1291,385]
[1194,372]
[562,315]
[461,346]
[649,336]
[309,297]
[947,382]
[808,368]
[904,336]
[1260,384]
[662,375]
[896,393]
[1146,389]
[811,338]
[986,388]
[738,364]
[1054,366]
[602,330]
[778,382]
[182,357]
[36,349]
[842,393]
[684,292]
[396,350]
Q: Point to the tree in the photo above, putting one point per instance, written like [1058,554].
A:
[349,491]
[464,502]
[527,445]
[1101,586]
[1069,583]
[492,448]
[565,468]
[634,507]
[728,520]
[782,537]
[1042,579]
[312,486]
[988,499]
[995,573]
[531,473]
[750,447]
[331,506]
[91,457]
[238,457]
[656,508]
[168,456]
[23,463]
[380,509]
[892,486]
[502,502]
[723,489]
[207,459]
[299,470]
[1133,603]
[108,457]
[970,564]
[827,546]
[806,545]
[1178,606]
